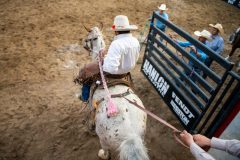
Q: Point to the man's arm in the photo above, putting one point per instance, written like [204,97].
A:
[183,44]
[166,17]
[202,56]
[230,146]
[199,153]
[220,47]
[112,59]
[196,151]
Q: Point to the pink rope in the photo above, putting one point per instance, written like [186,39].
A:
[111,108]
[175,130]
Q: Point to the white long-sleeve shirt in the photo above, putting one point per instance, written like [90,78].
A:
[122,54]
[230,146]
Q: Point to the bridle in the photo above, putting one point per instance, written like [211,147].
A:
[88,45]
[93,35]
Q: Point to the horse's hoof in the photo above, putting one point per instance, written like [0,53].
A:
[92,132]
[102,154]
[92,129]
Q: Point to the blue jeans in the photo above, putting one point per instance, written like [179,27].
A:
[163,30]
[191,75]
[208,63]
[85,92]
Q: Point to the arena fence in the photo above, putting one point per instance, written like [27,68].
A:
[196,101]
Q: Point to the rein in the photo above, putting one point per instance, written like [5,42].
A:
[175,130]
[91,39]
[112,109]
[90,48]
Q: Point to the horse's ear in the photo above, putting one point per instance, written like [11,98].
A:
[101,26]
[87,29]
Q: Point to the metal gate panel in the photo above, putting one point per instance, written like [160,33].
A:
[187,115]
[189,100]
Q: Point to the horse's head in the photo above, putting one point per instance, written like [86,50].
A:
[94,41]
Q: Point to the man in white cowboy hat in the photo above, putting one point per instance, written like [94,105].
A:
[162,12]
[122,54]
[124,51]
[217,43]
[203,36]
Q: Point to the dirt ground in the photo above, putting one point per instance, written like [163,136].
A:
[39,52]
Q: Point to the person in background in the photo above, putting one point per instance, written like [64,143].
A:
[234,40]
[196,143]
[162,12]
[203,36]
[217,43]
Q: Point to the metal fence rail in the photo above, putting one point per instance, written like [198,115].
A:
[228,106]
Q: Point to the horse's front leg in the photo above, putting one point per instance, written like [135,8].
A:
[233,50]
[103,153]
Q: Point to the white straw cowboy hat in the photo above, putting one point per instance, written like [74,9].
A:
[121,23]
[163,7]
[204,34]
[219,27]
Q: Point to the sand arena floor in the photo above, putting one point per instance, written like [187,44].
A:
[40,52]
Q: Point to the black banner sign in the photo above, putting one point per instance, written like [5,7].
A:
[185,112]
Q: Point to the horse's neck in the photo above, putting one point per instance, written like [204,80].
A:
[97,46]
